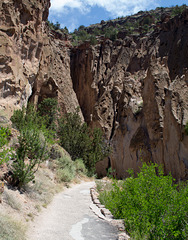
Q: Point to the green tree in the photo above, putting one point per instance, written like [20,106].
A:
[32,144]
[93,40]
[66,30]
[57,26]
[111,33]
[30,118]
[26,117]
[49,111]
[81,142]
[29,154]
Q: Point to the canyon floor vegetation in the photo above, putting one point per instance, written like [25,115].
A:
[151,204]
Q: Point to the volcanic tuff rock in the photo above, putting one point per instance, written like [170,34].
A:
[135,88]
[34,63]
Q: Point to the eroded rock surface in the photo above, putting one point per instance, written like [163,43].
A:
[136,90]
[34,61]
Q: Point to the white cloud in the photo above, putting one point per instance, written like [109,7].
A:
[59,4]
[114,7]
[67,5]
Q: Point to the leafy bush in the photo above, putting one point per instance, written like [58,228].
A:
[5,152]
[152,206]
[80,142]
[31,119]
[29,154]
[48,110]
[65,175]
[27,118]
[93,40]
[147,21]
[81,35]
[4,136]
[111,33]
[32,144]
[80,167]
[66,169]
[73,134]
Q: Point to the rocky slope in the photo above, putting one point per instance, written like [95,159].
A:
[134,88]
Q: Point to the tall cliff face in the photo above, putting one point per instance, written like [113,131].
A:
[34,63]
[136,90]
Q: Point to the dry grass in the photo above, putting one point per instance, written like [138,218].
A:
[11,229]
[11,200]
[44,187]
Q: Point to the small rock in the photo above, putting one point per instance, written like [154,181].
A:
[105,211]
[119,224]
[123,236]
[96,201]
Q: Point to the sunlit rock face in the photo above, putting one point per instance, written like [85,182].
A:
[34,62]
[136,90]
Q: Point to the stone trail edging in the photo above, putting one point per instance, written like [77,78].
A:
[106,215]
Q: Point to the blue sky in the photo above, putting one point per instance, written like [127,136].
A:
[73,13]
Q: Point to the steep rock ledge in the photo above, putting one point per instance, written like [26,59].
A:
[136,90]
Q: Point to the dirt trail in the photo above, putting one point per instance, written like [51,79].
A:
[69,217]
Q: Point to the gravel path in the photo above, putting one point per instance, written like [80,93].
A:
[69,217]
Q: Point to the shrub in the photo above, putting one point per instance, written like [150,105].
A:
[66,169]
[48,110]
[99,149]
[29,154]
[25,117]
[152,206]
[97,32]
[29,118]
[4,136]
[73,134]
[80,167]
[32,144]
[5,152]
[80,142]
[111,33]
[65,175]
[93,40]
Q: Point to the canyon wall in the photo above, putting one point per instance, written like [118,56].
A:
[34,62]
[134,88]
